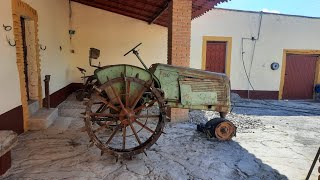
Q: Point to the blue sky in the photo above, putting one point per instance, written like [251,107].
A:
[293,7]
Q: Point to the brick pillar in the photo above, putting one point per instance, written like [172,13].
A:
[179,37]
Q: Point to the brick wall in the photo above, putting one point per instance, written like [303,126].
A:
[179,37]
[179,32]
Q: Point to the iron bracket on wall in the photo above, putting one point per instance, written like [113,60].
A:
[7,28]
[9,42]
[43,48]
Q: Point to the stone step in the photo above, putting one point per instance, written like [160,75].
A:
[71,112]
[33,107]
[8,139]
[43,118]
[61,123]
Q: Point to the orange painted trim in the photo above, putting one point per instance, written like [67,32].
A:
[228,40]
[284,63]
[21,9]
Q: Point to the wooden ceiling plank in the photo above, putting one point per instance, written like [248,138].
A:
[130,9]
[151,3]
[160,12]
[151,11]
[125,4]
[206,6]
[142,2]
[114,10]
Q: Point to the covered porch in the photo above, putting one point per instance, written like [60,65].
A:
[53,38]
[59,35]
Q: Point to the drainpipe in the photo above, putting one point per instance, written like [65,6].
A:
[47,92]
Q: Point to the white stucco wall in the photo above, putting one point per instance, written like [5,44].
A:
[10,87]
[278,32]
[114,35]
[53,32]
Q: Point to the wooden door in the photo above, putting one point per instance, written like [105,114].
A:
[216,56]
[299,76]
[25,60]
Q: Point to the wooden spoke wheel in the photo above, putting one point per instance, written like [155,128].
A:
[125,116]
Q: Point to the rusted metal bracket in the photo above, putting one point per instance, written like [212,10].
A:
[43,48]
[7,28]
[9,42]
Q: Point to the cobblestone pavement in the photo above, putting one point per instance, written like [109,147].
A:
[271,143]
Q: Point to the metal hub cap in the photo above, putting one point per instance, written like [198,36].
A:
[126,117]
[225,131]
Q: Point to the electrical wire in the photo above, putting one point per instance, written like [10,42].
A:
[295,109]
[253,51]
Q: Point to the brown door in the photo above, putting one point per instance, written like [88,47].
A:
[216,56]
[299,76]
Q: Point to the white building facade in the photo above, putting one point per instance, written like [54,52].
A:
[254,41]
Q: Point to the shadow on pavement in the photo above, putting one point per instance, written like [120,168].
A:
[276,108]
[193,154]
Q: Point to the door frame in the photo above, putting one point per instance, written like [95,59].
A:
[284,63]
[227,40]
[22,9]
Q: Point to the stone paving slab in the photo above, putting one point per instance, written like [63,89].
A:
[267,147]
[8,139]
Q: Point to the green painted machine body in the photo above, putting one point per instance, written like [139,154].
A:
[182,87]
[193,88]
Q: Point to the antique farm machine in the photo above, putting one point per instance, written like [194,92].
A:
[126,112]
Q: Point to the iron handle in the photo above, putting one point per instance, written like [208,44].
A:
[132,49]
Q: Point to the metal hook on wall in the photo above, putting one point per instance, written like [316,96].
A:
[7,28]
[9,41]
[43,48]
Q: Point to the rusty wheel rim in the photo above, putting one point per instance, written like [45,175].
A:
[124,117]
[225,131]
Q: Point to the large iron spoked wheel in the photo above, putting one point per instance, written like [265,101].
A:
[131,120]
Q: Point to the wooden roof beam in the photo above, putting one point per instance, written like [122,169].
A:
[159,13]
[114,10]
[125,5]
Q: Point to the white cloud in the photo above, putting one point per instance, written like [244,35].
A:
[270,11]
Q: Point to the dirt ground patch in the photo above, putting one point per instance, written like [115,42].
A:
[273,142]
